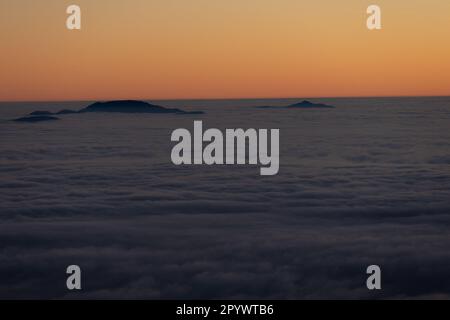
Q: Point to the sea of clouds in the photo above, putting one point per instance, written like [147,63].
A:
[365,183]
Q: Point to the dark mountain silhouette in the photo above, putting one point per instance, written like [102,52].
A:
[66,111]
[308,104]
[41,113]
[300,105]
[48,113]
[36,119]
[119,106]
[128,106]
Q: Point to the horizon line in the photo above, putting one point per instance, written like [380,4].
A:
[235,98]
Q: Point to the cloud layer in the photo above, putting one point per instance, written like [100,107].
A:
[360,184]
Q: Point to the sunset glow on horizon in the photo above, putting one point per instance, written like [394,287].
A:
[205,49]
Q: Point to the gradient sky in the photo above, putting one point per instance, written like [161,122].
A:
[174,49]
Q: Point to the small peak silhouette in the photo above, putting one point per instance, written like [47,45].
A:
[305,104]
[33,119]
[66,111]
[309,104]
[41,113]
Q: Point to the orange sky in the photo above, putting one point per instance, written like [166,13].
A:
[174,49]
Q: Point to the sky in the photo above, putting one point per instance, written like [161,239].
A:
[179,49]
